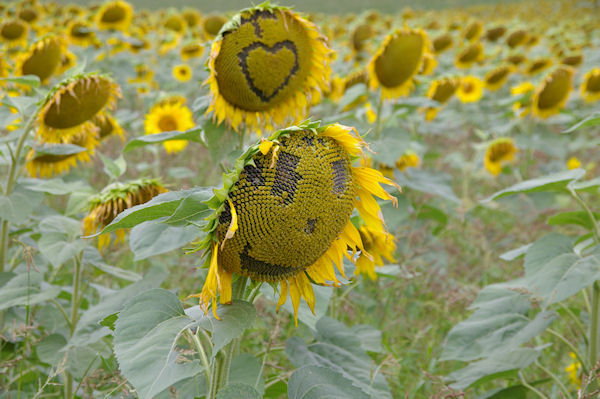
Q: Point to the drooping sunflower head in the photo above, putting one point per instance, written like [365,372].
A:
[497,77]
[114,199]
[43,58]
[43,163]
[470,89]
[192,17]
[266,67]
[360,35]
[107,126]
[283,216]
[500,152]
[516,59]
[516,38]
[552,94]
[14,33]
[29,14]
[80,33]
[574,60]
[538,65]
[440,90]
[169,115]
[213,24]
[191,50]
[68,61]
[473,31]
[428,65]
[469,55]
[397,61]
[495,33]
[442,43]
[70,107]
[590,88]
[408,160]
[114,15]
[175,23]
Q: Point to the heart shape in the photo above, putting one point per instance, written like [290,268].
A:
[268,70]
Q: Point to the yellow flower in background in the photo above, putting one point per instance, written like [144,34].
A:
[182,72]
[500,152]
[114,199]
[108,126]
[497,77]
[470,55]
[590,88]
[397,61]
[538,65]
[212,25]
[440,90]
[168,117]
[114,15]
[516,38]
[473,31]
[408,160]
[428,65]
[80,33]
[378,244]
[573,370]
[191,50]
[573,163]
[550,97]
[370,113]
[522,88]
[14,33]
[43,58]
[470,89]
[267,67]
[442,43]
[309,171]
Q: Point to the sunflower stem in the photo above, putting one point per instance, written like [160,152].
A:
[378,117]
[11,179]
[73,321]
[593,339]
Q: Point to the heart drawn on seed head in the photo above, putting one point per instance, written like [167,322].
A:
[268,69]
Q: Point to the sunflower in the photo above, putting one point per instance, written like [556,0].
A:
[440,90]
[70,106]
[498,153]
[182,72]
[43,59]
[573,163]
[553,93]
[497,77]
[470,89]
[397,61]
[408,160]
[469,55]
[377,244]
[114,15]
[360,35]
[175,23]
[167,117]
[191,50]
[80,33]
[14,33]
[283,215]
[29,15]
[212,25]
[428,65]
[493,34]
[473,31]
[442,43]
[192,17]
[114,199]
[516,59]
[572,60]
[266,67]
[538,65]
[107,126]
[516,38]
[45,164]
[590,88]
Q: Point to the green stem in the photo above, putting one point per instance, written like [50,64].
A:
[73,321]
[530,387]
[562,386]
[593,338]
[571,347]
[586,208]
[378,116]
[200,348]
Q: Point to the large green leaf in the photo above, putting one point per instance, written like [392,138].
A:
[194,134]
[580,218]
[553,182]
[145,338]
[238,391]
[592,120]
[19,205]
[234,320]
[92,257]
[26,289]
[316,382]
[420,180]
[56,186]
[246,369]
[59,241]
[154,237]
[339,349]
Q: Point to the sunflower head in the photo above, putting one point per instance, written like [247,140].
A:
[470,89]
[397,61]
[440,90]
[266,66]
[497,77]
[377,243]
[114,15]
[442,43]
[14,33]
[517,38]
[473,31]
[428,65]
[538,65]
[107,126]
[192,17]
[574,60]
[283,215]
[495,33]
[175,23]
[182,72]
[516,59]
[553,93]
[29,15]
[590,88]
[114,199]
[70,107]
[191,50]
[168,115]
[498,153]
[408,160]
[360,35]
[469,55]
[80,33]
[43,59]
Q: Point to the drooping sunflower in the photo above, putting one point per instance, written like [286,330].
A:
[266,67]
[442,43]
[516,38]
[44,164]
[550,97]
[283,214]
[360,36]
[191,50]
[590,87]
[68,61]
[212,25]
[440,90]
[14,33]
[80,33]
[538,65]
[469,55]
[497,77]
[574,60]
[428,65]
[70,107]
[470,89]
[500,152]
[377,244]
[192,17]
[397,61]
[408,160]
[43,58]
[495,33]
[182,72]
[108,126]
[169,116]
[29,15]
[114,199]
[516,59]
[473,31]
[114,15]
[175,23]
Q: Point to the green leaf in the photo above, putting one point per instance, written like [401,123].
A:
[512,392]
[238,391]
[192,208]
[88,328]
[389,147]
[160,206]
[114,168]
[59,149]
[592,120]
[235,319]
[55,186]
[220,141]
[352,94]
[19,205]
[515,253]
[424,181]
[590,186]
[505,364]
[553,182]
[580,218]
[91,256]
[194,134]
[59,242]
[25,289]
[246,369]
[153,238]
[316,382]
[49,350]
[338,348]
[28,80]
[145,339]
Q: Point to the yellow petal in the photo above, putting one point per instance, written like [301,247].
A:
[233,226]
[282,294]
[265,146]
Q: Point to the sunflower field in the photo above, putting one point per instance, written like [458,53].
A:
[275,203]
